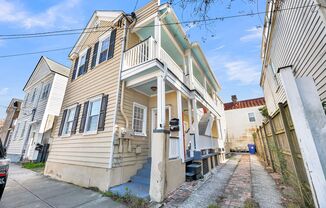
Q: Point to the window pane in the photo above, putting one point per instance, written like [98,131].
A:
[92,123]
[95,108]
[138,119]
[82,60]
[103,56]
[105,44]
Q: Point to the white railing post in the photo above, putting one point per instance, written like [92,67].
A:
[181,140]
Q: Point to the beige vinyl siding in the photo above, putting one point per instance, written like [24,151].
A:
[299,39]
[147,11]
[90,150]
[131,158]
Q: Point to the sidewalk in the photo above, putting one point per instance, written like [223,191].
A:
[26,189]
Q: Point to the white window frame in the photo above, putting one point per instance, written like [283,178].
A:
[95,99]
[101,39]
[144,129]
[254,116]
[66,120]
[81,54]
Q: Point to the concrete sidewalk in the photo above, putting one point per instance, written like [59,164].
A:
[26,189]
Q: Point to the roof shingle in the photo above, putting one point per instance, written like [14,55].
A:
[244,104]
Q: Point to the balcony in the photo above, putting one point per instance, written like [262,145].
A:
[146,51]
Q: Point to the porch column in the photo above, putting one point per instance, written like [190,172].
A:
[180,117]
[157,35]
[195,125]
[307,114]
[158,169]
[191,127]
[190,69]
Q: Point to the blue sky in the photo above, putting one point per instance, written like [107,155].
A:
[232,46]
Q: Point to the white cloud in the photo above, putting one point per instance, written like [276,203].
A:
[58,15]
[4,91]
[242,71]
[219,48]
[252,34]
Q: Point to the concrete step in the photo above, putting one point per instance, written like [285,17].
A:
[144,172]
[136,189]
[141,179]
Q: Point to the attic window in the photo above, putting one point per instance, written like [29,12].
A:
[81,64]
[104,47]
[251,117]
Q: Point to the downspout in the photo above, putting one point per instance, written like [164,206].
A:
[121,105]
[117,98]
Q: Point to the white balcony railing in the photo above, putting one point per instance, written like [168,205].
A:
[173,148]
[166,58]
[140,53]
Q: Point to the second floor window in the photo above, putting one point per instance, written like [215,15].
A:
[69,121]
[23,130]
[81,64]
[33,95]
[93,115]
[104,49]
[251,117]
[46,91]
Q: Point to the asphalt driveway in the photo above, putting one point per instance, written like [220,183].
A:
[26,188]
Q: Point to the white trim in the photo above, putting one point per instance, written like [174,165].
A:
[135,104]
[153,111]
[101,39]
[94,99]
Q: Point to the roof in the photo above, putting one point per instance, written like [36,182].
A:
[53,67]
[56,67]
[244,104]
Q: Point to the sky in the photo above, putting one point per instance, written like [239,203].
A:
[232,46]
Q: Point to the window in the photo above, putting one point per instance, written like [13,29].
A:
[104,48]
[69,121]
[251,117]
[81,64]
[33,95]
[139,119]
[46,90]
[23,130]
[93,114]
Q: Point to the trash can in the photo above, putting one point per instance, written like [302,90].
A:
[252,148]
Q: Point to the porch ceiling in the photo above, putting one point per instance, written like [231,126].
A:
[146,88]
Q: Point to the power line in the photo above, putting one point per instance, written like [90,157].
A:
[90,29]
[184,22]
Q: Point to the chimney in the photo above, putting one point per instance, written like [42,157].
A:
[234,98]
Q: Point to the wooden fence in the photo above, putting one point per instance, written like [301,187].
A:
[277,146]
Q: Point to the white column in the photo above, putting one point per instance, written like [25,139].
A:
[305,137]
[190,69]
[160,102]
[157,34]
[195,124]
[181,139]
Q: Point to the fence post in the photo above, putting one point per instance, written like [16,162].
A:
[291,145]
[264,146]
[269,149]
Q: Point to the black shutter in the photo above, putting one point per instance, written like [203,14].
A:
[104,104]
[63,119]
[75,122]
[83,119]
[94,58]
[75,69]
[112,43]
[88,54]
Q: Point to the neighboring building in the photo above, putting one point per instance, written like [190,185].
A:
[294,73]
[44,92]
[12,111]
[242,119]
[129,79]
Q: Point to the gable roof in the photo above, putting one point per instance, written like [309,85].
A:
[244,103]
[53,66]
[107,15]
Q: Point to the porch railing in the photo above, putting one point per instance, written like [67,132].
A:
[174,67]
[140,53]
[173,148]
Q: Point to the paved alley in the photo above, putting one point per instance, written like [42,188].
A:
[242,178]
[27,189]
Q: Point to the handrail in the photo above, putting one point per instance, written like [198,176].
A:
[146,39]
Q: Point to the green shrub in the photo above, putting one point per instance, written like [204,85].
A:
[32,165]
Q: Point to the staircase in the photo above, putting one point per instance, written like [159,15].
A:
[138,185]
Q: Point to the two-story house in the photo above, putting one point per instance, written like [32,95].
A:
[140,106]
[44,92]
[294,75]
[12,112]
